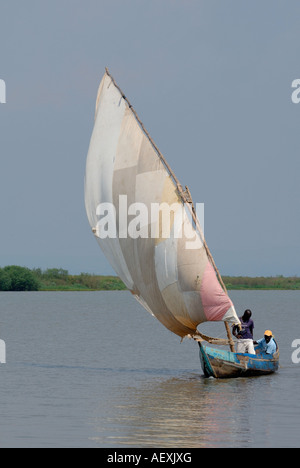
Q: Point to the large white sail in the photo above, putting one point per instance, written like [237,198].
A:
[162,260]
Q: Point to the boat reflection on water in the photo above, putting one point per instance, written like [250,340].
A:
[181,412]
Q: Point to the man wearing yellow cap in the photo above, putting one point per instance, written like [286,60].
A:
[267,343]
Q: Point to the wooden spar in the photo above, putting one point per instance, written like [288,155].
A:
[185,196]
[169,170]
[195,219]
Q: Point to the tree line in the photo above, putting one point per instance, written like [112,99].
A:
[16,278]
[262,282]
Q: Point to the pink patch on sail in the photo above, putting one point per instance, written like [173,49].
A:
[215,301]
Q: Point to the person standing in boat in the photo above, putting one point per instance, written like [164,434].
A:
[267,344]
[244,334]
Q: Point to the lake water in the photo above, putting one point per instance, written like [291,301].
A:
[96,370]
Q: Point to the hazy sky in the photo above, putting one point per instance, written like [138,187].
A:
[211,81]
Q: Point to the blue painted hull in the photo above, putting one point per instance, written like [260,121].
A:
[224,364]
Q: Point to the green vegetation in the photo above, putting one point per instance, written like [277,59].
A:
[60,280]
[16,278]
[273,282]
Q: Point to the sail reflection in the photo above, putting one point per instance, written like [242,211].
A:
[180,412]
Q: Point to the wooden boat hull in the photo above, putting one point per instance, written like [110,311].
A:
[223,364]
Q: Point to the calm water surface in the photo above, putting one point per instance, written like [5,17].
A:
[96,370]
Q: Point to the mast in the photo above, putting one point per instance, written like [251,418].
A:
[188,199]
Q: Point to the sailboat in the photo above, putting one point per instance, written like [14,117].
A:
[147,226]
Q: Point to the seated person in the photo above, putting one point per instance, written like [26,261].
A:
[266,344]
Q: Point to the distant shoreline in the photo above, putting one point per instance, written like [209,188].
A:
[14,278]
[232,283]
[289,283]
[58,280]
[113,283]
